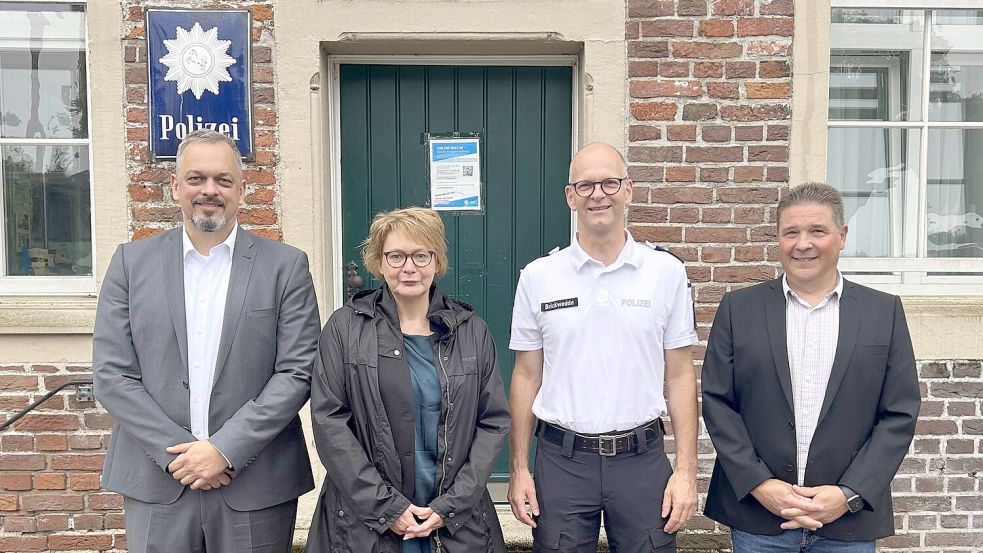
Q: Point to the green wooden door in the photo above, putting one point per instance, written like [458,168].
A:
[524,115]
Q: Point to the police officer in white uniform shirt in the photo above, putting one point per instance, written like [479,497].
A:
[603,331]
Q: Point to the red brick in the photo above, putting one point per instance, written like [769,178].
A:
[136,115]
[157,175]
[777,7]
[78,462]
[141,193]
[716,235]
[717,27]
[138,152]
[691,7]
[723,90]
[650,8]
[764,26]
[53,522]
[52,502]
[47,422]
[16,481]
[264,94]
[145,232]
[647,214]
[684,215]
[16,443]
[747,173]
[23,543]
[84,482]
[95,421]
[268,233]
[62,542]
[119,541]
[719,154]
[264,116]
[156,214]
[680,195]
[114,520]
[681,173]
[656,235]
[774,69]
[19,524]
[24,383]
[261,196]
[667,27]
[715,255]
[8,502]
[745,195]
[257,216]
[645,173]
[765,233]
[50,481]
[758,91]
[53,403]
[758,112]
[653,111]
[14,403]
[716,133]
[740,69]
[696,49]
[767,153]
[51,442]
[47,369]
[749,253]
[756,48]
[655,154]
[776,174]
[748,133]
[260,13]
[699,112]
[743,273]
[681,132]
[698,274]
[708,69]
[674,69]
[733,7]
[714,174]
[262,74]
[135,74]
[265,138]
[105,501]
[749,215]
[643,69]
[87,521]
[710,294]
[648,49]
[658,89]
[643,132]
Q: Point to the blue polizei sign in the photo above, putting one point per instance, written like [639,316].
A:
[200,76]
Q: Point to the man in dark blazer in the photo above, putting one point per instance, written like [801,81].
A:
[810,395]
[202,351]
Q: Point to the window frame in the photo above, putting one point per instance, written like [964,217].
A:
[913,274]
[23,285]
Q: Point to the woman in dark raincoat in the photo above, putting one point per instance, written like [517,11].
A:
[408,406]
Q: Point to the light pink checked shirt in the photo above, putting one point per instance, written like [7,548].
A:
[811,335]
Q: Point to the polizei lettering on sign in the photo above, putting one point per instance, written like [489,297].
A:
[195,123]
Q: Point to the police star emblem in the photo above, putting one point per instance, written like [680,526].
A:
[197,60]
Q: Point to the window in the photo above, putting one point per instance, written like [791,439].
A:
[45,186]
[905,143]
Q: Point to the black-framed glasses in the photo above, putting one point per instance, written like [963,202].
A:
[585,188]
[397,259]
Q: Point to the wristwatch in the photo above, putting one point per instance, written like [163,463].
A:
[853,500]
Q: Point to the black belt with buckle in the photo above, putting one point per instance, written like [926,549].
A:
[607,445]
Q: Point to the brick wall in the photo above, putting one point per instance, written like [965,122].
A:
[152,209]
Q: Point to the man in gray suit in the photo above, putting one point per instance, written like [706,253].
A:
[202,351]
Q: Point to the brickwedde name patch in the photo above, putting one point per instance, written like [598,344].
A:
[558,304]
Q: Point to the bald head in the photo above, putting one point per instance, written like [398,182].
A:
[597,155]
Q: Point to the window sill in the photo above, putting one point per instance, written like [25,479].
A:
[47,314]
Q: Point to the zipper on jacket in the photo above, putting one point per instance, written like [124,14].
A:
[443,461]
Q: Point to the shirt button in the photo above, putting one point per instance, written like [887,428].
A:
[791,424]
[789,468]
[341,513]
[395,352]
[450,514]
[382,520]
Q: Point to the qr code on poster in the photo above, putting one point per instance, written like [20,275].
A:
[467,170]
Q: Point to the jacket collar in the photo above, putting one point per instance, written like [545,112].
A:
[444,313]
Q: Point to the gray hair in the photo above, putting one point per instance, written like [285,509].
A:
[815,193]
[208,136]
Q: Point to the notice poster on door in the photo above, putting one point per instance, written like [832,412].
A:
[455,175]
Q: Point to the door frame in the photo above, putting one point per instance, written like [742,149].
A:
[334,62]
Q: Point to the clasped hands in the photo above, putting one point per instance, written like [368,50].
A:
[200,464]
[802,507]
[416,522]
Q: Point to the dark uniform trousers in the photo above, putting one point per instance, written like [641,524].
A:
[575,487]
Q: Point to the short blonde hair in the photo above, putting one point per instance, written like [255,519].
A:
[418,223]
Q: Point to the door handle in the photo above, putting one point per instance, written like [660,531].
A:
[353,280]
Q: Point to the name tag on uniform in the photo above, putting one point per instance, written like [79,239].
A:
[558,304]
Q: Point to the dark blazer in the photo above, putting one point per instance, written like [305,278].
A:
[865,425]
[262,373]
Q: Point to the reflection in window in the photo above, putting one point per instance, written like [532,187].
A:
[868,85]
[44,160]
[954,225]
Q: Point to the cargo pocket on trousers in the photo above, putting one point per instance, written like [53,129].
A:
[661,541]
[545,538]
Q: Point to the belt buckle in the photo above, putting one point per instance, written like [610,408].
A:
[607,446]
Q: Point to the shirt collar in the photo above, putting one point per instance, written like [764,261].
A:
[837,290]
[630,254]
[229,242]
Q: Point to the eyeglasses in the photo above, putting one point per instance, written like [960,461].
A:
[585,188]
[397,259]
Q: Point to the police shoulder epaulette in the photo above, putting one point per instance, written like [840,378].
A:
[658,248]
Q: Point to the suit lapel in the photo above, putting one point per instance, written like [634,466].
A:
[775,321]
[242,266]
[849,326]
[172,267]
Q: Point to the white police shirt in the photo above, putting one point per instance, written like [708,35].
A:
[603,332]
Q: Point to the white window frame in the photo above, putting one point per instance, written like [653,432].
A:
[911,275]
[54,285]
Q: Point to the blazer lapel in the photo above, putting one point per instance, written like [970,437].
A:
[172,267]
[775,321]
[242,266]
[849,326]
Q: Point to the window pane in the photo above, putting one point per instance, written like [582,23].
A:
[957,66]
[875,64]
[42,72]
[955,193]
[876,169]
[46,212]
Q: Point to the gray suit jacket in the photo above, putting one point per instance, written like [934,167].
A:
[262,373]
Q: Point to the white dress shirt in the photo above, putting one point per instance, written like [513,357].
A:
[811,336]
[206,284]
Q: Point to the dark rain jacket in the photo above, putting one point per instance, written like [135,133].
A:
[359,366]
